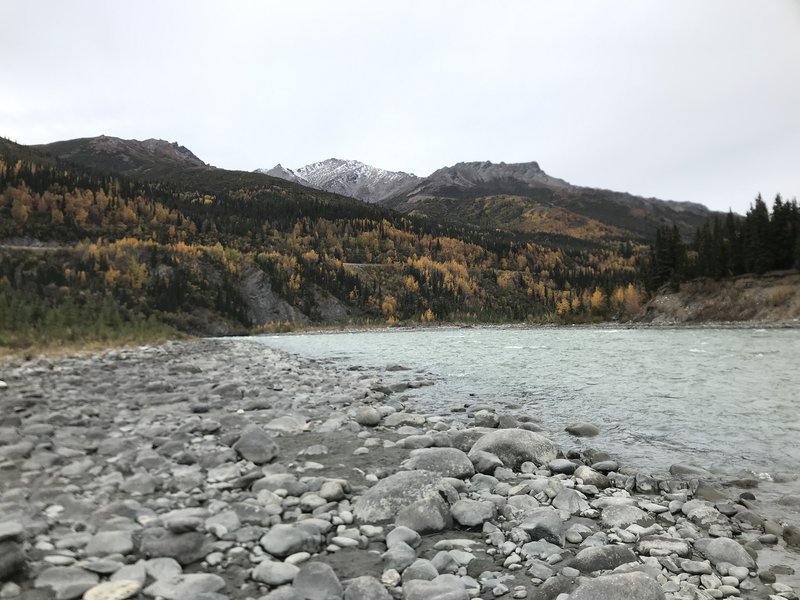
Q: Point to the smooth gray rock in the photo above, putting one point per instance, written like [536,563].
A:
[405,535]
[282,540]
[471,513]
[625,586]
[287,424]
[544,524]
[516,446]
[398,557]
[317,581]
[724,550]
[388,497]
[599,558]
[194,585]
[689,471]
[485,462]
[443,587]
[444,562]
[368,416]
[104,543]
[399,419]
[186,548]
[163,568]
[447,462]
[521,505]
[622,516]
[791,535]
[427,515]
[113,590]
[485,418]
[420,569]
[223,522]
[582,429]
[591,477]
[278,481]
[12,559]
[365,588]
[183,524]
[570,500]
[285,592]
[256,445]
[696,567]
[464,439]
[275,573]
[704,513]
[562,465]
[12,530]
[66,582]
[663,546]
[135,572]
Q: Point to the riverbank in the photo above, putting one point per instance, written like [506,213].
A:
[224,469]
[772,298]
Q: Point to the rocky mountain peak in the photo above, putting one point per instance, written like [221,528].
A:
[470,174]
[349,178]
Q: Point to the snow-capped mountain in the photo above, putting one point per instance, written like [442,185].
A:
[349,178]
[280,171]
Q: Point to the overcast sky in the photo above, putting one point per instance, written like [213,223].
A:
[695,100]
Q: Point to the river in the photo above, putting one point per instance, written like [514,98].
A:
[723,399]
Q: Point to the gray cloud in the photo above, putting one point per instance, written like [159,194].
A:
[680,100]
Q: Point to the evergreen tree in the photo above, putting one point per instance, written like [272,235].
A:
[758,247]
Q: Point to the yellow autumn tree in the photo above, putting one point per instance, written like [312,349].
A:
[598,300]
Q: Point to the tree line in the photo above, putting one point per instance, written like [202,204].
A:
[763,240]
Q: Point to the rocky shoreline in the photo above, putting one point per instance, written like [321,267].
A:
[224,469]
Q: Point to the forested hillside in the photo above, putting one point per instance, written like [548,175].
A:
[212,251]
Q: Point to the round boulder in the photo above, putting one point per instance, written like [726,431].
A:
[582,429]
[317,581]
[724,550]
[366,588]
[630,586]
[471,513]
[256,445]
[368,416]
[516,446]
[447,462]
[384,500]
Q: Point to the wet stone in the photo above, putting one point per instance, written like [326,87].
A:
[317,581]
[66,582]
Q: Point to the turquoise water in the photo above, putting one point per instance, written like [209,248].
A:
[720,398]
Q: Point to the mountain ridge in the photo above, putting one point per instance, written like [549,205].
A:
[347,177]
[519,197]
[136,157]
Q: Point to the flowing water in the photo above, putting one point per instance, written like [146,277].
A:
[723,399]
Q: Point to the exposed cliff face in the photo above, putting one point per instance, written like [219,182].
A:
[773,298]
[265,306]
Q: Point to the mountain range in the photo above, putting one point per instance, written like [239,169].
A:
[349,178]
[150,231]
[518,197]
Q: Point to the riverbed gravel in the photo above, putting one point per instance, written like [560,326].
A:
[223,469]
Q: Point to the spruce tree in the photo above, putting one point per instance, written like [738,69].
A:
[758,248]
